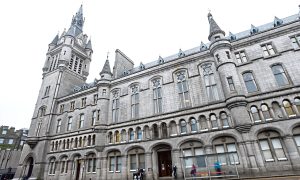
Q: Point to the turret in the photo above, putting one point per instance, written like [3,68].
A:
[220,48]
[106,72]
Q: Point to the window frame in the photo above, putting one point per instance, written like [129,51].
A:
[251,80]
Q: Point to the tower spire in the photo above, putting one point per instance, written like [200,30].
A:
[77,23]
[213,27]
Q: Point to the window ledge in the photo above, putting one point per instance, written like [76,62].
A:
[173,135]
[270,119]
[118,171]
[293,115]
[282,159]
[271,56]
[204,130]
[225,126]
[132,170]
[215,128]
[193,131]
[111,171]
[257,121]
[269,160]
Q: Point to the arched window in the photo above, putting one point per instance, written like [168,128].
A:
[173,128]
[266,112]
[193,124]
[52,166]
[134,101]
[64,144]
[249,82]
[297,103]
[115,106]
[131,134]
[91,161]
[255,114]
[68,144]
[136,159]
[280,75]
[226,149]
[210,83]
[110,137]
[52,146]
[277,110]
[64,165]
[93,140]
[157,96]
[56,145]
[164,130]
[203,123]
[147,132]
[80,142]
[155,131]
[81,121]
[271,146]
[117,137]
[58,126]
[139,133]
[214,122]
[183,129]
[123,135]
[224,120]
[183,89]
[115,160]
[288,108]
[89,140]
[76,143]
[42,111]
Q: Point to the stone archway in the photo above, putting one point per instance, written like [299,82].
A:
[162,160]
[27,168]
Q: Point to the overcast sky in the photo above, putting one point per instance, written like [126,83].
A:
[142,29]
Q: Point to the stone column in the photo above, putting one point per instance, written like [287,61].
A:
[292,151]
[284,112]
[155,165]
[176,160]
[104,169]
[148,165]
[295,109]
[272,113]
[259,158]
[261,116]
[125,166]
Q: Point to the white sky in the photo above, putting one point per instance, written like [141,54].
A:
[142,29]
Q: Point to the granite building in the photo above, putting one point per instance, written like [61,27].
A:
[237,94]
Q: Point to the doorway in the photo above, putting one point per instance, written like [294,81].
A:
[164,160]
[77,174]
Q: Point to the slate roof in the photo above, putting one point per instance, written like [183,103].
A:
[89,45]
[55,40]
[106,68]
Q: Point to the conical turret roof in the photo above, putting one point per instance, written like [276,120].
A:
[55,40]
[213,27]
[106,68]
[89,45]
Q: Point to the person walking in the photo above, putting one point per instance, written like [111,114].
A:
[175,172]
[193,171]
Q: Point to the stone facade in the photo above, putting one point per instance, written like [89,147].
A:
[237,94]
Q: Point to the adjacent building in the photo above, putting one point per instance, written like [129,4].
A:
[234,101]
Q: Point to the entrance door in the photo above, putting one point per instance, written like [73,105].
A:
[77,170]
[164,163]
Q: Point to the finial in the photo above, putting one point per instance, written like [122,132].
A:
[107,55]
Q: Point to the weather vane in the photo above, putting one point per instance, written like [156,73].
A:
[107,54]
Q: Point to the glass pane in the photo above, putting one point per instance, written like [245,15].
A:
[264,145]
[276,143]
[133,162]
[118,167]
[180,89]
[220,149]
[142,161]
[281,79]
[185,88]
[251,86]
[112,164]
[231,147]
[268,155]
[297,139]
[199,151]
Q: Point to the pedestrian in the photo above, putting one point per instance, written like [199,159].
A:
[217,166]
[193,171]
[175,171]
